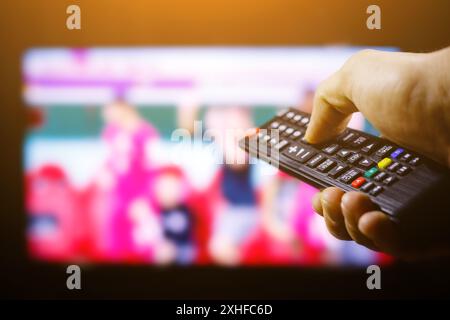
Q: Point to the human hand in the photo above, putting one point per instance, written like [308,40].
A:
[406,97]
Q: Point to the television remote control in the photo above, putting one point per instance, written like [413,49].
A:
[412,189]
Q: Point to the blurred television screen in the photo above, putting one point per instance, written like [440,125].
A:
[123,164]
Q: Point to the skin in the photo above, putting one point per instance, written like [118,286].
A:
[406,97]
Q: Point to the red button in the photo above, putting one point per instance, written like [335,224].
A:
[358,182]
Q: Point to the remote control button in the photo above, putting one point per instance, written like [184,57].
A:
[298,153]
[273,141]
[297,134]
[389,180]
[282,127]
[266,138]
[337,170]
[369,173]
[331,149]
[375,191]
[384,163]
[280,145]
[358,142]
[383,150]
[394,166]
[415,161]
[274,124]
[282,112]
[348,137]
[365,163]
[354,158]
[397,153]
[358,182]
[367,186]
[314,162]
[344,153]
[369,148]
[326,166]
[288,131]
[304,121]
[380,176]
[293,150]
[290,115]
[308,154]
[403,170]
[406,157]
[349,176]
[297,118]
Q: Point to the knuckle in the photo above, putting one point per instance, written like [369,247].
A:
[339,234]
[363,54]
[336,230]
[355,60]
[320,93]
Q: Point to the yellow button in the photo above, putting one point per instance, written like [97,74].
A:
[384,163]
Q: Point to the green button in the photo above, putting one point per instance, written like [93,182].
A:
[369,173]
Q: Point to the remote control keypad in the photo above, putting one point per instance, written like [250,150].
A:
[353,158]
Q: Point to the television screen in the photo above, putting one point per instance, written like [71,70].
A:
[131,157]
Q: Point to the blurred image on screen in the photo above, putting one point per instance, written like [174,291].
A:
[122,163]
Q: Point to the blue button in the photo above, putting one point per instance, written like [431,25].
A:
[396,153]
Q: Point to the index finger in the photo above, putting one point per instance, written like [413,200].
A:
[332,110]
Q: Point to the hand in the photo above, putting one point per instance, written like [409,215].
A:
[406,97]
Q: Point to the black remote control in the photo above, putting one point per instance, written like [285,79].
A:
[412,189]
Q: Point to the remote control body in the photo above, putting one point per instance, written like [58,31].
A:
[405,185]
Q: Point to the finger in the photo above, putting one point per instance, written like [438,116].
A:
[316,203]
[332,110]
[381,230]
[354,205]
[331,204]
[384,233]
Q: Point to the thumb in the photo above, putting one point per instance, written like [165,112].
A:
[332,110]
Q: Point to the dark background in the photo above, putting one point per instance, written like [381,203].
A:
[412,25]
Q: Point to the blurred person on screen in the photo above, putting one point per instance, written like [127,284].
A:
[171,191]
[127,172]
[55,228]
[287,221]
[235,201]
